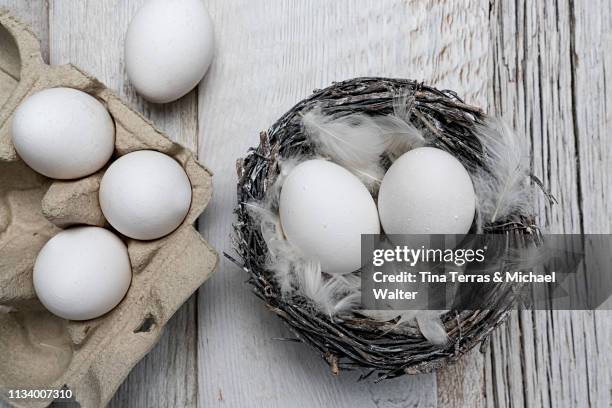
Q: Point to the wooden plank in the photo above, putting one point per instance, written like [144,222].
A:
[90,35]
[591,42]
[35,14]
[548,74]
[591,75]
[269,56]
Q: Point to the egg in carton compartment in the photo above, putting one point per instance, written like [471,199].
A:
[37,349]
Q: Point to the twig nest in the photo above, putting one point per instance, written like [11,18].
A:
[365,126]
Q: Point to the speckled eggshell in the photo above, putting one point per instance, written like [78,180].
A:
[145,194]
[82,273]
[63,133]
[324,209]
[426,191]
[168,48]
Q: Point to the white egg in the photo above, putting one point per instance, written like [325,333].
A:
[63,133]
[145,194]
[168,48]
[82,273]
[324,209]
[426,191]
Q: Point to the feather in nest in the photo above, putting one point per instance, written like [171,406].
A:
[359,141]
[502,183]
[356,142]
[329,294]
[292,270]
[429,322]
[281,254]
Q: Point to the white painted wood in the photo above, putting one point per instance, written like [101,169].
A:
[592,75]
[545,66]
[89,34]
[271,54]
[35,14]
[548,73]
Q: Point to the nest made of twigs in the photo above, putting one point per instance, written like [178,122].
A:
[353,341]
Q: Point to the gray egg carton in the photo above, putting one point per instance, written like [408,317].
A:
[37,349]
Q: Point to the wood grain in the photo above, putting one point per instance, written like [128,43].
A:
[35,13]
[269,56]
[554,361]
[544,66]
[90,34]
[547,76]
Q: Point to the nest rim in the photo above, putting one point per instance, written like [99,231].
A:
[354,342]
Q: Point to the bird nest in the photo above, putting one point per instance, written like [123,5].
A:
[350,340]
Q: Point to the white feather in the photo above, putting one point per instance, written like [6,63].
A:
[400,136]
[386,315]
[329,295]
[428,322]
[431,327]
[282,256]
[291,269]
[407,137]
[403,102]
[353,141]
[273,192]
[502,185]
[358,141]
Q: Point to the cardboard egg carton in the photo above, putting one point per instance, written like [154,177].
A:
[37,349]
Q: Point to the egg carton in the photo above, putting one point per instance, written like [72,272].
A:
[37,349]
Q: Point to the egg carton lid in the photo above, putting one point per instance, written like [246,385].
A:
[92,358]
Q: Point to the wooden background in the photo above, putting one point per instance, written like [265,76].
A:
[543,65]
